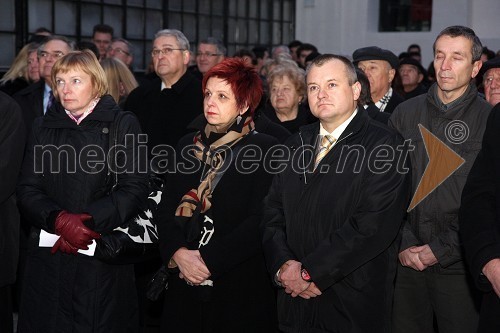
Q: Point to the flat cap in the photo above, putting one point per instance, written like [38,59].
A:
[414,62]
[492,63]
[375,53]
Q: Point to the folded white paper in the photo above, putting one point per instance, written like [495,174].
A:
[48,240]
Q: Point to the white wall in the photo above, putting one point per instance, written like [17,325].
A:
[341,26]
[485,18]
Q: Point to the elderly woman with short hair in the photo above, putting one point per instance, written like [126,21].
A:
[287,93]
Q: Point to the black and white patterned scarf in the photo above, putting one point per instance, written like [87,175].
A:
[384,100]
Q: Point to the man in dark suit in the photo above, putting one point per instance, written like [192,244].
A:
[34,99]
[167,105]
[331,222]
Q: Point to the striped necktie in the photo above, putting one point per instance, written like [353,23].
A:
[326,144]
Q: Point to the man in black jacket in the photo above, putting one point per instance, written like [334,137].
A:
[168,104]
[332,217]
[432,280]
[165,107]
[12,138]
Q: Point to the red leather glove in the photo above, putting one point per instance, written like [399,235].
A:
[63,246]
[71,227]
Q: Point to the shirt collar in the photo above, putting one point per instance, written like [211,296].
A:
[47,90]
[340,129]
[85,114]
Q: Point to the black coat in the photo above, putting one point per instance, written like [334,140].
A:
[30,100]
[165,115]
[374,113]
[419,90]
[395,100]
[479,219]
[12,138]
[264,125]
[242,298]
[304,117]
[12,87]
[342,225]
[78,293]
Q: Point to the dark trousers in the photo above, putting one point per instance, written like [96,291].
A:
[489,318]
[421,296]
[6,324]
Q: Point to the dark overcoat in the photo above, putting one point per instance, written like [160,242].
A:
[242,297]
[341,222]
[78,293]
[165,114]
[480,222]
[30,99]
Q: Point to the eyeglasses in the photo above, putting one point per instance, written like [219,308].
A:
[118,50]
[55,55]
[165,51]
[208,54]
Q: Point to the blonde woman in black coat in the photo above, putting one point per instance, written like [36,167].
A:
[65,194]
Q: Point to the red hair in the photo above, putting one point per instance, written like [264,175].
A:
[242,78]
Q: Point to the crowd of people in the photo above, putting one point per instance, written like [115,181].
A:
[288,175]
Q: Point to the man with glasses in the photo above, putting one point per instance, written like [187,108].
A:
[167,104]
[35,99]
[210,52]
[121,49]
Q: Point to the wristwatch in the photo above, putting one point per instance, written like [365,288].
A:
[305,275]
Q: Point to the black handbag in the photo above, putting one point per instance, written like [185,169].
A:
[136,240]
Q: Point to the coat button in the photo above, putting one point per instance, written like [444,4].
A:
[105,130]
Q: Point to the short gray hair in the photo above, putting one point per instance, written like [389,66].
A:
[280,49]
[179,36]
[293,72]
[71,44]
[215,41]
[129,45]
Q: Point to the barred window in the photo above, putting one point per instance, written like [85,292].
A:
[238,23]
[405,15]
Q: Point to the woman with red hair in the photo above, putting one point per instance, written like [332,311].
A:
[209,223]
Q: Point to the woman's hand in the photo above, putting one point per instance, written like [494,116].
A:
[191,265]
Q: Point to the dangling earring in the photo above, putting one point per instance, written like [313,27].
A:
[238,119]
